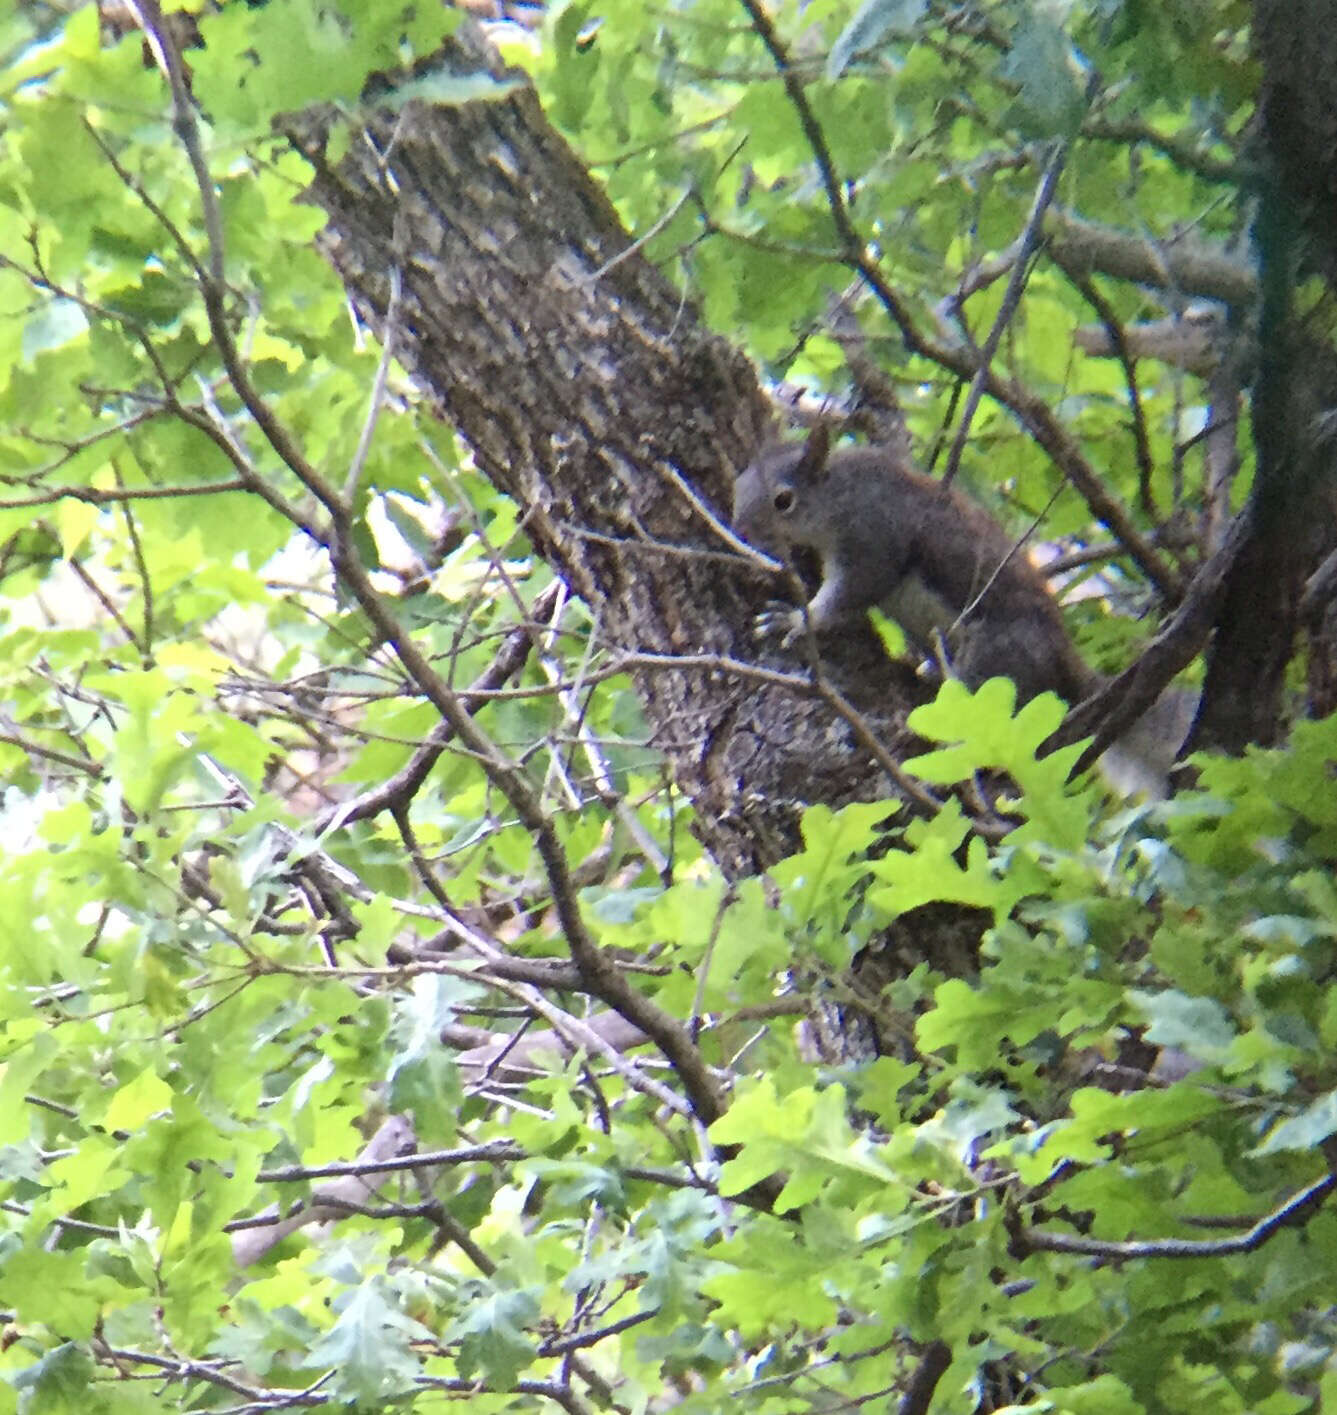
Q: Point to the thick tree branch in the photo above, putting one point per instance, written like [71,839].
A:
[918,1394]
[1178,265]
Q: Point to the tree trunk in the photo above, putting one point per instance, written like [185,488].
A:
[1290,507]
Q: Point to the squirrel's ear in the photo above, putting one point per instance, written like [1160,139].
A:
[813,461]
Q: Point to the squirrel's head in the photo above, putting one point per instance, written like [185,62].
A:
[774,497]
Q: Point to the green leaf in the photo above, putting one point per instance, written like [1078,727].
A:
[890,633]
[491,1333]
[772,1295]
[54,1289]
[972,1114]
[931,871]
[135,1103]
[1106,1395]
[1198,1025]
[59,1382]
[368,1348]
[56,323]
[872,23]
[986,733]
[1041,61]
[1305,1131]
[978,1023]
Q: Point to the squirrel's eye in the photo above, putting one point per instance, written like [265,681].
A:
[784,500]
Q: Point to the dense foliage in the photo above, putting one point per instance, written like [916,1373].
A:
[219,979]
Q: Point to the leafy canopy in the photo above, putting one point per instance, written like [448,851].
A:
[214,985]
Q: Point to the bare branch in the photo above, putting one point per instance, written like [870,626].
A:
[53,754]
[111,496]
[1190,157]
[1177,263]
[392,1139]
[1016,282]
[1296,1211]
[1122,701]
[1120,346]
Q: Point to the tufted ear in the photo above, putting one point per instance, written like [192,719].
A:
[812,464]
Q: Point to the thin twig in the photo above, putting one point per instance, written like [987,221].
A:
[377,399]
[494,1152]
[105,600]
[145,642]
[111,496]
[1016,282]
[53,754]
[1114,328]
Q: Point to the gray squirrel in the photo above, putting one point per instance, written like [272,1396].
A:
[944,570]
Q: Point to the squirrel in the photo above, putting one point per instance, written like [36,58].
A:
[942,568]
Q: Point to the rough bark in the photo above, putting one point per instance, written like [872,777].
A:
[590,392]
[1296,42]
[1289,529]
[1290,523]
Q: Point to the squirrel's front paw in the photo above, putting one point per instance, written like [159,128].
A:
[779,621]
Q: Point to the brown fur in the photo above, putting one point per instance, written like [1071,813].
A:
[926,555]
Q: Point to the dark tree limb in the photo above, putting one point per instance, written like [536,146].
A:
[1126,697]
[918,1394]
[1295,1212]
[1290,524]
[1178,265]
